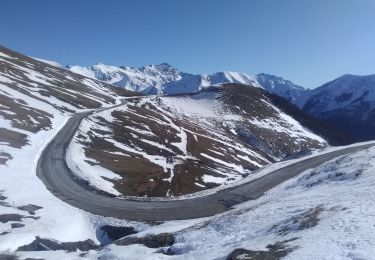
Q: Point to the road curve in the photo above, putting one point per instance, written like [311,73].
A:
[53,171]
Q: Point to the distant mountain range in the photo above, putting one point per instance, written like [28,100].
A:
[346,103]
[160,145]
[130,144]
[165,79]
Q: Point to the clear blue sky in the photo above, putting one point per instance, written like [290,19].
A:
[307,41]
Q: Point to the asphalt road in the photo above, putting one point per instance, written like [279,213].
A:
[53,171]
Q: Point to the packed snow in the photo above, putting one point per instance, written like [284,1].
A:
[313,212]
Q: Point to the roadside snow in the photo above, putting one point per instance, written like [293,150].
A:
[314,210]
[91,172]
[19,185]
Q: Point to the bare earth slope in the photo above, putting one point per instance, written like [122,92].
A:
[176,145]
[33,94]
[54,173]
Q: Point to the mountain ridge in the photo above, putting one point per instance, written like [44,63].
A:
[165,79]
[346,103]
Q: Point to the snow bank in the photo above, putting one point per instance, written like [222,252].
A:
[323,221]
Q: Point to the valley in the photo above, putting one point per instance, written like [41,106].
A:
[167,161]
[176,145]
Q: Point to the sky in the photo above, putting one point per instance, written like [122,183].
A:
[308,42]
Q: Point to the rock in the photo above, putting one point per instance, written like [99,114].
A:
[5,256]
[17,225]
[30,208]
[151,241]
[115,232]
[301,221]
[4,218]
[275,252]
[80,245]
[42,244]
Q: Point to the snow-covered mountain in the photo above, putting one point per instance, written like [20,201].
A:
[346,103]
[193,83]
[284,88]
[165,79]
[148,79]
[175,145]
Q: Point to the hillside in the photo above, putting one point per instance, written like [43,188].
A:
[175,145]
[169,146]
[35,95]
[346,103]
[36,99]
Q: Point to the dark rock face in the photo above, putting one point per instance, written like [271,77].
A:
[344,97]
[4,218]
[151,241]
[4,157]
[4,256]
[115,233]
[305,220]
[42,244]
[17,225]
[30,208]
[275,252]
[2,197]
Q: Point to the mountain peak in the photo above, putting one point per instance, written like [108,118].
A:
[163,78]
[163,67]
[276,80]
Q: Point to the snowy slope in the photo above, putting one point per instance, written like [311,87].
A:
[35,101]
[213,137]
[347,103]
[284,88]
[164,79]
[312,216]
[52,63]
[145,79]
[342,93]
